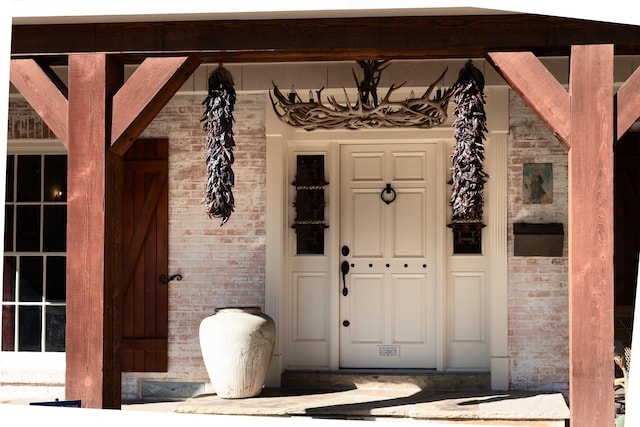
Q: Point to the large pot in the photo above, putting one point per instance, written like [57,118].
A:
[237,344]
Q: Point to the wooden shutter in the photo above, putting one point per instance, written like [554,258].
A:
[145,252]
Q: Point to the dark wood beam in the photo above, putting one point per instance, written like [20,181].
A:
[273,40]
[540,90]
[144,94]
[591,276]
[113,261]
[86,231]
[628,103]
[586,120]
[43,94]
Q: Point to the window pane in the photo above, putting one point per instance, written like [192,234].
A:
[28,228]
[35,224]
[9,282]
[29,175]
[56,279]
[10,167]
[29,328]
[30,286]
[8,329]
[8,228]
[55,178]
[55,228]
[55,328]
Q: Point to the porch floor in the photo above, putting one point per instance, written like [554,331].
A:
[445,398]
[510,408]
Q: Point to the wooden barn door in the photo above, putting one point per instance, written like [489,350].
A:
[145,252]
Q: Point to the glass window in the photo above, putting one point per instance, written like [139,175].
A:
[55,229]
[29,175]
[34,285]
[56,279]
[309,204]
[8,228]
[9,183]
[28,228]
[8,328]
[55,178]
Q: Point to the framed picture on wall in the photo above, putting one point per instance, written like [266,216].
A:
[537,183]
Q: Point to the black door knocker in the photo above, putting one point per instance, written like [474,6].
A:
[388,194]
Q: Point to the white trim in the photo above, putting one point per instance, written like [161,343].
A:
[35,146]
[282,139]
[440,257]
[497,110]
[275,237]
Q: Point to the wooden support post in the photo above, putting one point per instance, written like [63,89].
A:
[98,103]
[584,121]
[113,284]
[88,351]
[591,366]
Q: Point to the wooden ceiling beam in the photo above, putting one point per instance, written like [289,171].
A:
[533,82]
[43,94]
[144,94]
[273,40]
[628,103]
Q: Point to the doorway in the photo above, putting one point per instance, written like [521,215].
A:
[304,290]
[387,246]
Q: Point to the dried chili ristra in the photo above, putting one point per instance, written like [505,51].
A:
[218,123]
[467,172]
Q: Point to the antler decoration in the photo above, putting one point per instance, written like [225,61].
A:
[218,121]
[367,112]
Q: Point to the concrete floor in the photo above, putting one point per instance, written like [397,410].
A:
[482,408]
[435,399]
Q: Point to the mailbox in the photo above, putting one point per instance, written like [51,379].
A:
[538,239]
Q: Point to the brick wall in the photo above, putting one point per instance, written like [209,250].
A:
[225,265]
[538,286]
[220,265]
[24,123]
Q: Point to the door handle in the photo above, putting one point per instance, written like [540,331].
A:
[165,280]
[344,268]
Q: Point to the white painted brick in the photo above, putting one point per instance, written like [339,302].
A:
[538,286]
[226,265]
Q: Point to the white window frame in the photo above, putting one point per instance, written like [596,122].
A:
[42,148]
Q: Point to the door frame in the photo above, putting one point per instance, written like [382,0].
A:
[279,140]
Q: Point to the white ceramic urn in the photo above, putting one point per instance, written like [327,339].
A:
[237,345]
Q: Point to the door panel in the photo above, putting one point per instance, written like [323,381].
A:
[367,221]
[145,249]
[408,294]
[388,222]
[409,221]
[367,296]
[467,344]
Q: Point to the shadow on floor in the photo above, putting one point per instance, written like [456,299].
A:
[386,403]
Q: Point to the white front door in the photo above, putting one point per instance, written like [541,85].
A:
[387,240]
